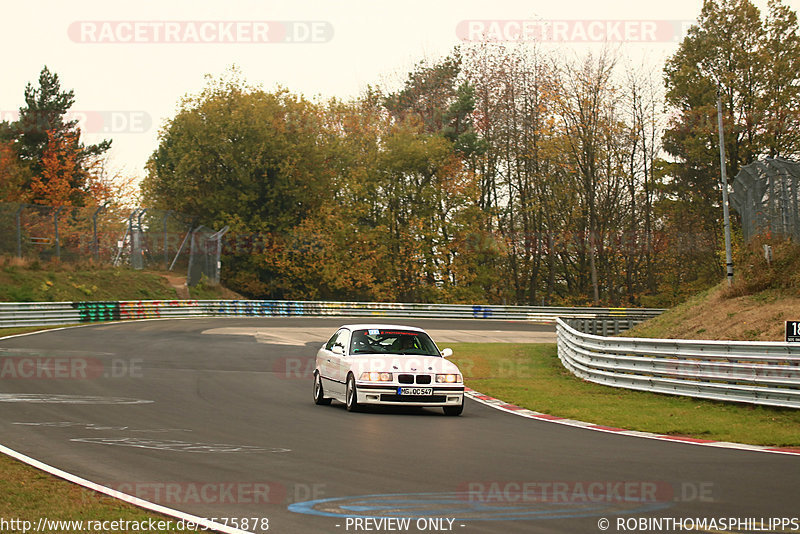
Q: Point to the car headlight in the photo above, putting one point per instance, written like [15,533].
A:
[375,377]
[448,379]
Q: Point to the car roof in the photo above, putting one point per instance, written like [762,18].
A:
[380,326]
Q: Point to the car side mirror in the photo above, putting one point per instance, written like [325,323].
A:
[446,353]
[338,349]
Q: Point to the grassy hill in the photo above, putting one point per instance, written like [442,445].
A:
[763,296]
[30,281]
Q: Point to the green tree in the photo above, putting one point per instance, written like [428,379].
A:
[428,158]
[235,155]
[753,64]
[14,177]
[442,101]
[44,118]
[240,156]
[781,98]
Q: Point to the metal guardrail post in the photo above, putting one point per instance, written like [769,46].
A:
[166,251]
[95,243]
[18,219]
[180,249]
[55,225]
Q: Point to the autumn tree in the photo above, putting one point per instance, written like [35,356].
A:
[338,250]
[236,155]
[53,185]
[500,173]
[644,125]
[46,109]
[43,135]
[513,117]
[752,63]
[780,99]
[428,163]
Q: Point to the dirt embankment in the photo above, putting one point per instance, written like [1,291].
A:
[759,317]
[765,295]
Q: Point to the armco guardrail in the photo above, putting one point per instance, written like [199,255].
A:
[54,313]
[765,373]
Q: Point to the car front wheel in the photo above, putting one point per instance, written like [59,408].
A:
[454,410]
[319,393]
[351,395]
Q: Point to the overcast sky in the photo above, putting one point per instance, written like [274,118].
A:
[130,62]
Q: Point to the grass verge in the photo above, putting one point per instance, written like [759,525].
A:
[28,494]
[531,376]
[64,282]
[32,281]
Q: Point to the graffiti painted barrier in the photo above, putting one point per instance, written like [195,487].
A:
[53,313]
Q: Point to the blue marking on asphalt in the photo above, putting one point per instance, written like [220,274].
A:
[405,508]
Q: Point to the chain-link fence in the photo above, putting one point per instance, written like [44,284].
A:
[141,238]
[204,259]
[767,196]
[47,232]
[154,239]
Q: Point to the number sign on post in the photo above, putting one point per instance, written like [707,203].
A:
[793,331]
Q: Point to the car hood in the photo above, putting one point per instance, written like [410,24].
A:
[394,363]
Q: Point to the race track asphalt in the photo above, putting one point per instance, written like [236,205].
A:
[215,417]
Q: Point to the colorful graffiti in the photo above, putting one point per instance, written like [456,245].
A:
[92,312]
[481,312]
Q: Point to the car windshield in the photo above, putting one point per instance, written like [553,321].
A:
[392,341]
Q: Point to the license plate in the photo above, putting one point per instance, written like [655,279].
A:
[415,391]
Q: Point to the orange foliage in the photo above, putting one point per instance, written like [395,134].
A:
[96,188]
[55,185]
[64,182]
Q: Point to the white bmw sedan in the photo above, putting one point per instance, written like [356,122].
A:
[363,364]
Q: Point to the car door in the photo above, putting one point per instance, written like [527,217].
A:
[330,362]
[339,363]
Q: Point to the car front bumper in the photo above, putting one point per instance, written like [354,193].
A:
[390,395]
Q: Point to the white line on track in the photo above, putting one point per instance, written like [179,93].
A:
[141,503]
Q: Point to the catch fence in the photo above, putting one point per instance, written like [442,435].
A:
[143,238]
[767,196]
